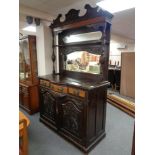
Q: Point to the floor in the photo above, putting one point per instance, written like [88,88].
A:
[118,140]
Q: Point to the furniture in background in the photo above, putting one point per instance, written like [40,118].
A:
[111,78]
[128,74]
[117,79]
[114,75]
[73,98]
[23,136]
[28,81]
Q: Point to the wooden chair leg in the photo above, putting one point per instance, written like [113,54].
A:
[23,135]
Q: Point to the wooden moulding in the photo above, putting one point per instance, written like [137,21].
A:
[123,104]
[73,17]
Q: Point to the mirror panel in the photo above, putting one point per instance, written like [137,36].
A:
[91,36]
[83,61]
[24,60]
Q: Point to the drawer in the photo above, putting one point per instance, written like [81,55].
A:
[57,88]
[44,83]
[77,92]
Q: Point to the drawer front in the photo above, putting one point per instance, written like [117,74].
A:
[25,96]
[60,89]
[77,92]
[45,83]
[25,91]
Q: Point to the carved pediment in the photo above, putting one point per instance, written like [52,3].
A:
[73,16]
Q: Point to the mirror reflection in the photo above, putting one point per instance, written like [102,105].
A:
[91,36]
[24,60]
[83,61]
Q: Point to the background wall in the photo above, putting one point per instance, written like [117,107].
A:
[115,53]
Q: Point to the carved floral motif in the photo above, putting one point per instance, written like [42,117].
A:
[71,116]
[49,105]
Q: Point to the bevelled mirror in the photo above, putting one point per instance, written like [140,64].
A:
[81,49]
[83,61]
[84,37]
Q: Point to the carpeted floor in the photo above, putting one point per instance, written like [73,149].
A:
[118,140]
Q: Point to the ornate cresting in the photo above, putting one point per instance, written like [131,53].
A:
[73,16]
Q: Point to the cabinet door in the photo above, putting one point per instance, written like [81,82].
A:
[71,111]
[48,104]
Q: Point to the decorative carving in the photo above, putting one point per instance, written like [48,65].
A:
[57,20]
[73,16]
[49,104]
[71,116]
[94,49]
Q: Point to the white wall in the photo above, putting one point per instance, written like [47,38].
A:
[115,53]
[44,49]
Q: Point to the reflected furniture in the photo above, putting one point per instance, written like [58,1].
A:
[73,98]
[28,81]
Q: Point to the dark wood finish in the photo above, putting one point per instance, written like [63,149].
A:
[77,112]
[74,103]
[73,17]
[28,89]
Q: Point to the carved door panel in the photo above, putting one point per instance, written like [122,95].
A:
[48,105]
[72,116]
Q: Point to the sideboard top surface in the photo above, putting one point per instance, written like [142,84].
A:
[84,83]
